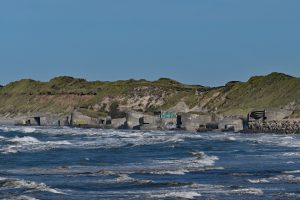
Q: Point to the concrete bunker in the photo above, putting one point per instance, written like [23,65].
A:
[33,121]
[229,127]
[194,122]
[37,120]
[231,124]
[179,121]
[212,126]
[257,115]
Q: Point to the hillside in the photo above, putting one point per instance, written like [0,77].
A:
[275,90]
[66,94]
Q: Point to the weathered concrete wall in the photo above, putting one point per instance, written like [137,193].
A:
[191,122]
[133,120]
[53,120]
[236,123]
[7,121]
[151,122]
[80,119]
[151,119]
[120,123]
[277,114]
[45,119]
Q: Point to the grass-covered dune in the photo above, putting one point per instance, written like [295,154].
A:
[66,94]
[275,90]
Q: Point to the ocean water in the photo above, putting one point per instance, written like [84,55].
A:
[72,163]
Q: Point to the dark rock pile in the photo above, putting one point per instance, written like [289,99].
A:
[286,126]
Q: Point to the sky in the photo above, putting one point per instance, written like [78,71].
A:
[205,42]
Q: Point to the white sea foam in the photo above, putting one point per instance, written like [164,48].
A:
[279,178]
[268,139]
[263,180]
[183,194]
[119,179]
[29,130]
[125,178]
[289,195]
[8,129]
[199,161]
[250,191]
[30,144]
[279,140]
[292,172]
[292,154]
[119,138]
[174,172]
[24,140]
[187,191]
[290,162]
[90,139]
[29,185]
[23,197]
[2,138]
[21,129]
[231,138]
[286,178]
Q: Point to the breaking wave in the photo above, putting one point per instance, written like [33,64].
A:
[268,139]
[292,154]
[250,191]
[21,129]
[199,161]
[24,140]
[30,186]
[279,178]
[88,139]
[30,144]
[292,172]
[184,195]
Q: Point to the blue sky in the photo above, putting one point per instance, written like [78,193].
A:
[206,42]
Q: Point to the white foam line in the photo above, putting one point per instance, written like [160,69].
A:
[183,194]
[279,178]
[29,185]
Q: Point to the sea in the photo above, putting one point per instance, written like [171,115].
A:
[74,163]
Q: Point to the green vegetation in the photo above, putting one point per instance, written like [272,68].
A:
[191,100]
[272,91]
[65,94]
[172,99]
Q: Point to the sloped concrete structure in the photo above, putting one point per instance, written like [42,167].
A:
[191,122]
[134,120]
[151,122]
[120,123]
[231,124]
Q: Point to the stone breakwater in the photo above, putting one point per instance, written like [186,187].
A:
[278,126]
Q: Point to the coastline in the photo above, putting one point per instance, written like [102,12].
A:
[272,127]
